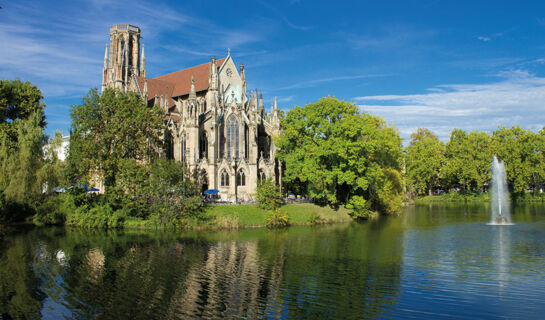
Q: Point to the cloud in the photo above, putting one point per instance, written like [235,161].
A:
[315,82]
[485,39]
[389,36]
[283,17]
[517,98]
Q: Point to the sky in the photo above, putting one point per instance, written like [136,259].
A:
[438,64]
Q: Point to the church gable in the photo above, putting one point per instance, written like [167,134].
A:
[231,82]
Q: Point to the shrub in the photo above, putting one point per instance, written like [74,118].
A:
[275,219]
[268,195]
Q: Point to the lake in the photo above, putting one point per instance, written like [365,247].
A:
[436,261]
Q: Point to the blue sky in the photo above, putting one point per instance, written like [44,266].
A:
[437,64]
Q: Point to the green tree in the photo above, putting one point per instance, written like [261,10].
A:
[522,152]
[21,142]
[109,127]
[174,198]
[339,155]
[268,195]
[18,101]
[423,161]
[467,161]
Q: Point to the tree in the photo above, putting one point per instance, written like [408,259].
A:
[467,160]
[523,154]
[268,195]
[424,160]
[109,127]
[18,101]
[21,141]
[340,155]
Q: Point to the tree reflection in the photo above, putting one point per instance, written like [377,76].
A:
[340,271]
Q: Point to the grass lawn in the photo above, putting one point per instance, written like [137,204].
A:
[251,216]
[244,216]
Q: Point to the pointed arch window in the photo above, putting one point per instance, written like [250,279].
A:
[224,179]
[241,178]
[261,175]
[203,146]
[232,136]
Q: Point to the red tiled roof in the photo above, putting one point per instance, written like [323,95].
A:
[182,79]
[157,87]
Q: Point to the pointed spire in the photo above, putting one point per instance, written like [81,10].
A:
[143,63]
[192,93]
[243,78]
[106,57]
[228,52]
[261,106]
[145,93]
[213,75]
[275,103]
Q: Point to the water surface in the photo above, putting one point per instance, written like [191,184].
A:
[440,261]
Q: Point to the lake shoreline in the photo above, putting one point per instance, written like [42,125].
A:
[229,217]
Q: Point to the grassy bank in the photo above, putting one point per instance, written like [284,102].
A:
[251,216]
[483,197]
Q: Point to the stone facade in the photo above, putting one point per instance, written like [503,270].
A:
[212,123]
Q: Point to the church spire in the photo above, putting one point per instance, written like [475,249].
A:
[143,63]
[192,93]
[243,78]
[106,57]
[261,106]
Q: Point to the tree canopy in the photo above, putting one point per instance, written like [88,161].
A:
[464,162]
[340,155]
[109,127]
[21,141]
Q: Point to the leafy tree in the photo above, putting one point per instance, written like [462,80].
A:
[424,160]
[522,152]
[21,141]
[174,198]
[18,101]
[467,160]
[340,155]
[109,127]
[268,195]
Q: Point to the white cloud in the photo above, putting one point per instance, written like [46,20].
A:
[315,82]
[517,99]
[485,39]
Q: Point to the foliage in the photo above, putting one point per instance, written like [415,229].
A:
[339,155]
[424,160]
[18,101]
[466,159]
[524,155]
[173,197]
[276,219]
[268,195]
[110,127]
[21,142]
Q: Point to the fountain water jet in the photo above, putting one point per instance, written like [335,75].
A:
[500,198]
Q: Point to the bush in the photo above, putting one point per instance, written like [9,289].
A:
[50,212]
[268,195]
[275,219]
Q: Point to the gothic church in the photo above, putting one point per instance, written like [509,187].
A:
[219,130]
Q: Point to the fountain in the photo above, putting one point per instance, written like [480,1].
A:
[500,198]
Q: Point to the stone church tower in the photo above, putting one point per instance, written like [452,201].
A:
[123,60]
[218,129]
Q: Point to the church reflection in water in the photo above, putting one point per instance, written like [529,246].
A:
[296,273]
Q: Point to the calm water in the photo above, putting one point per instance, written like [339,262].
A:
[430,262]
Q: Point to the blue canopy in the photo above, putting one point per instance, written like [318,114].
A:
[211,191]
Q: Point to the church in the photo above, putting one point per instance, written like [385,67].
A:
[219,130]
